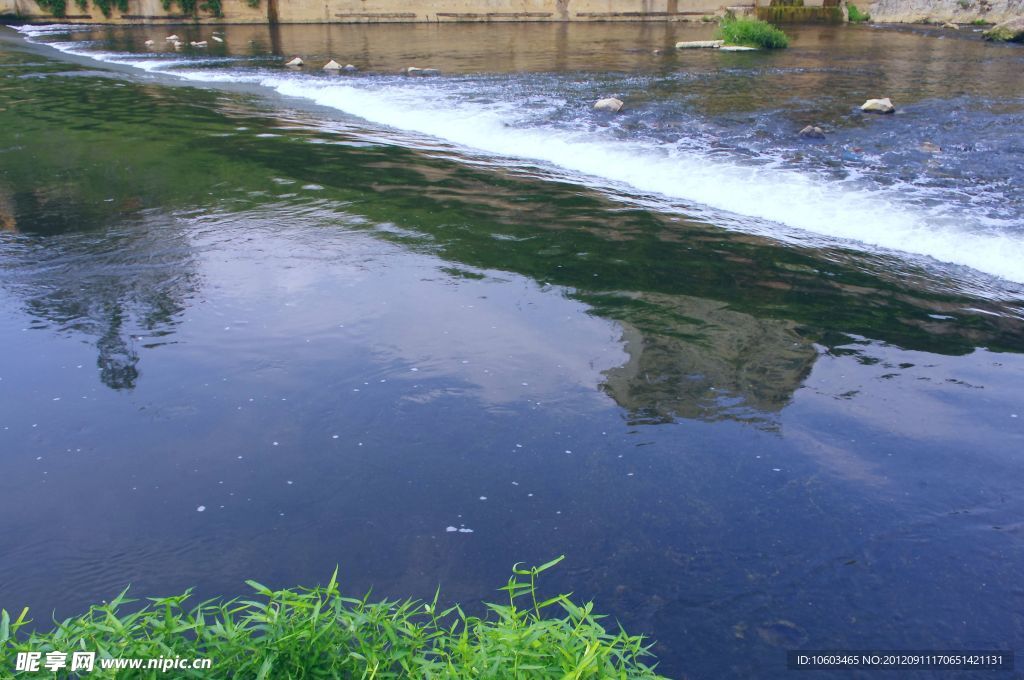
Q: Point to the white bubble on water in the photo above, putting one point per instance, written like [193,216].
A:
[451,529]
[201,508]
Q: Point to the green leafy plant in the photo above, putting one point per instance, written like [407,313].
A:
[57,8]
[319,633]
[106,6]
[979,22]
[751,33]
[857,16]
[214,7]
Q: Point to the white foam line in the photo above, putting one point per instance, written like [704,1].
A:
[874,217]
[787,197]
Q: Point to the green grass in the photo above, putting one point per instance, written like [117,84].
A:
[979,22]
[856,15]
[319,633]
[751,33]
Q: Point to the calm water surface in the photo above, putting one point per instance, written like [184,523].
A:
[764,393]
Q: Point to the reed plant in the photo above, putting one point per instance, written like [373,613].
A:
[320,633]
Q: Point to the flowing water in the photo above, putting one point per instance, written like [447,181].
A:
[763,391]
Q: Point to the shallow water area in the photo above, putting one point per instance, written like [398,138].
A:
[763,392]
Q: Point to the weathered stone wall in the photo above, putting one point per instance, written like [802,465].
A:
[142,11]
[378,11]
[956,11]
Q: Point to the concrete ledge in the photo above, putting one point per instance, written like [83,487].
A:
[373,11]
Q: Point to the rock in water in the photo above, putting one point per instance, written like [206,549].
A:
[608,104]
[878,106]
[295,62]
[217,39]
[413,71]
[928,147]
[172,38]
[951,25]
[350,67]
[149,43]
[699,44]
[201,43]
[1008,31]
[812,132]
[737,48]
[332,66]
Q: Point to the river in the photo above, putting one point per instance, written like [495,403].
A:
[764,392]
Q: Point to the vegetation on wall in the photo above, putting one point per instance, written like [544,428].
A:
[59,8]
[856,15]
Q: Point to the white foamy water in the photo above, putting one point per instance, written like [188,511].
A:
[774,200]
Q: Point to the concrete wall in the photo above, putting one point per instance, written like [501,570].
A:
[938,11]
[383,11]
[302,11]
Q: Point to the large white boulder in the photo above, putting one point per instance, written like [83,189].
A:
[878,106]
[296,62]
[608,104]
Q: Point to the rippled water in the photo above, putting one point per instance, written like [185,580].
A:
[764,393]
[712,134]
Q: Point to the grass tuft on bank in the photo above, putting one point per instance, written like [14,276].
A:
[751,33]
[319,633]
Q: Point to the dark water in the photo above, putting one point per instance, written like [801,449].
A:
[343,337]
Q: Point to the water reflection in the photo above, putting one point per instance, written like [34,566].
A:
[697,359]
